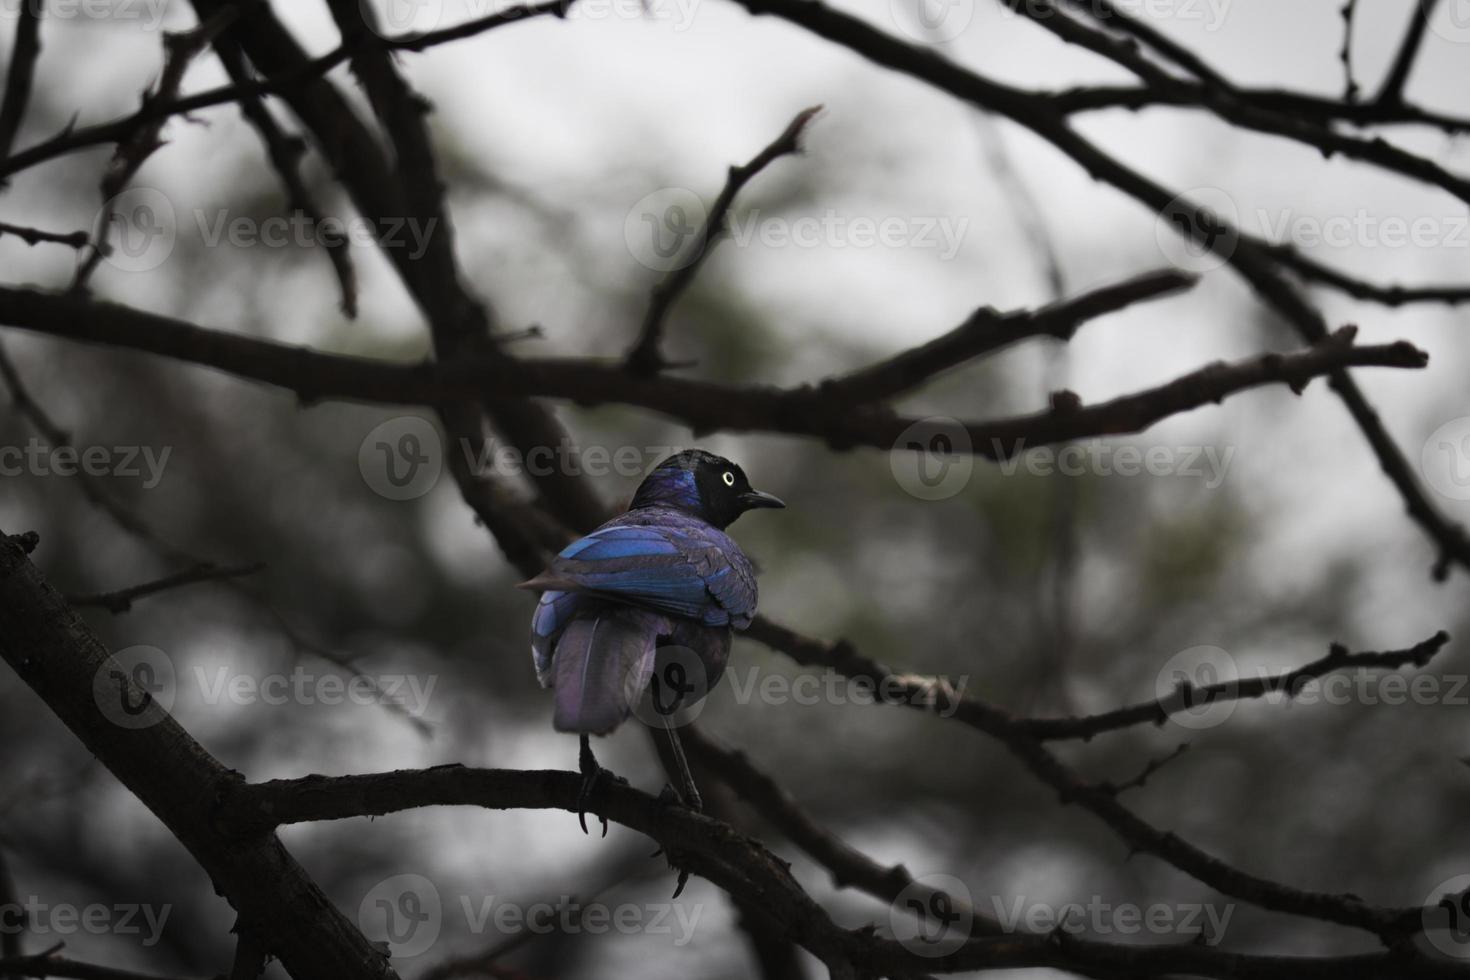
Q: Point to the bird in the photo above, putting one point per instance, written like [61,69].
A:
[659,586]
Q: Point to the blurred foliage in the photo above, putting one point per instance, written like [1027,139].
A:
[1359,798]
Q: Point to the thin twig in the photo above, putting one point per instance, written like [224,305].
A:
[1345,55]
[135,149]
[71,138]
[285,152]
[34,236]
[121,600]
[645,356]
[1392,92]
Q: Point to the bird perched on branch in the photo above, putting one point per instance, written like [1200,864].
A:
[660,585]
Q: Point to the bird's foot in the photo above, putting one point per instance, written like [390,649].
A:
[669,796]
[592,774]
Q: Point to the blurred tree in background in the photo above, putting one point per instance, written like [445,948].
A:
[494,204]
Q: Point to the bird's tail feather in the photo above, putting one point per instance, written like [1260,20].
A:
[603,662]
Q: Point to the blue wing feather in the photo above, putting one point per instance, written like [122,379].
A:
[664,561]
[553,613]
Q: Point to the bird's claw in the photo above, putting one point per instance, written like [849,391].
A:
[673,866]
[589,783]
[584,796]
[592,773]
[669,796]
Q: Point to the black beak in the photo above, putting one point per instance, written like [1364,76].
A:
[752,499]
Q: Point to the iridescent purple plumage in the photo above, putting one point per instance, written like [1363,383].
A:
[661,576]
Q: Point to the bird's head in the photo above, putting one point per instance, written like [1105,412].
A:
[708,486]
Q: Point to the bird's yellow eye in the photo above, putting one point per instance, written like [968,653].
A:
[729,478]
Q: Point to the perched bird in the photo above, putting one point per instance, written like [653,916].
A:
[662,576]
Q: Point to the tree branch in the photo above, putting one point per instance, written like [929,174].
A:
[645,357]
[58,656]
[743,867]
[1253,262]
[988,330]
[1187,696]
[1392,92]
[1392,925]
[35,236]
[71,139]
[285,153]
[19,77]
[702,405]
